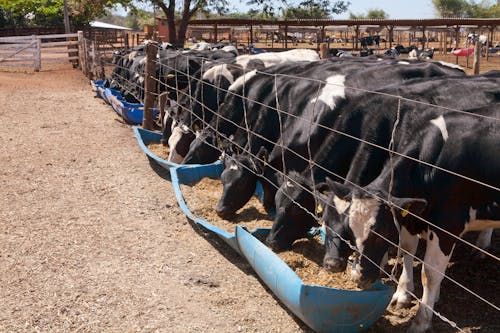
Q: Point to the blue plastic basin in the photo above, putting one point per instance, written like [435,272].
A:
[321,308]
[145,137]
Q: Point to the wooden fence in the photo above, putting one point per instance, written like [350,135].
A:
[36,50]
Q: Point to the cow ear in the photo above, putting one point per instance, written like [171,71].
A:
[413,205]
[342,191]
[322,188]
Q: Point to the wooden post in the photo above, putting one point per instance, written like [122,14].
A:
[37,54]
[149,86]
[323,51]
[215,33]
[87,60]
[251,35]
[95,70]
[477,56]
[286,36]
[391,35]
[80,50]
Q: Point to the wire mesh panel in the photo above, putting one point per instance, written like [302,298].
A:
[380,152]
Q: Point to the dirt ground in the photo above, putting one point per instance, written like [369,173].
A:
[92,239]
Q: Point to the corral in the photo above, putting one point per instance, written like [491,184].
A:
[106,196]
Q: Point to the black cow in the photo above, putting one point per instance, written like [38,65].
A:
[300,138]
[438,199]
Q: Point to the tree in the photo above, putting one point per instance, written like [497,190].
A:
[315,9]
[464,8]
[50,12]
[371,14]
[189,8]
[451,8]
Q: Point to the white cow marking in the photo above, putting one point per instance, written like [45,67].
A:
[441,124]
[173,140]
[362,216]
[234,167]
[220,70]
[241,80]
[340,204]
[333,89]
[448,64]
[403,63]
[289,183]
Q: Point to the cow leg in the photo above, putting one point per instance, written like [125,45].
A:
[483,241]
[433,270]
[401,298]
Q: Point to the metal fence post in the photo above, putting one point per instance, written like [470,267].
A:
[149,86]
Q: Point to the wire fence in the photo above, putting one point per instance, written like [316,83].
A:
[184,85]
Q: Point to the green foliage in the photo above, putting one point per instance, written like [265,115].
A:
[24,13]
[451,8]
[307,9]
[464,8]
[371,14]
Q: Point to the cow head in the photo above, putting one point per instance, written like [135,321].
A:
[239,179]
[372,224]
[295,208]
[203,149]
[338,234]
[179,142]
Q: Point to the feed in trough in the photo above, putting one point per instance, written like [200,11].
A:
[306,256]
[203,197]
[159,150]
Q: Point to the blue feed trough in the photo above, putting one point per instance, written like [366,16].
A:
[145,137]
[110,95]
[190,175]
[132,113]
[321,308]
[98,87]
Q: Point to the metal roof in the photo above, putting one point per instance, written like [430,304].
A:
[97,24]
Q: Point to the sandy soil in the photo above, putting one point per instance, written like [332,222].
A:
[91,236]
[92,240]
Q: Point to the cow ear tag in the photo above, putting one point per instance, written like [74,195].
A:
[319,209]
[196,127]
[405,212]
[264,159]
[170,76]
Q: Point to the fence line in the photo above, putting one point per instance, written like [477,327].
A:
[161,87]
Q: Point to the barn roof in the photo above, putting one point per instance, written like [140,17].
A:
[97,24]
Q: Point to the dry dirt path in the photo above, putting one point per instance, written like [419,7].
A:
[91,238]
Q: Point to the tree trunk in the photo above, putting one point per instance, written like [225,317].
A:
[181,34]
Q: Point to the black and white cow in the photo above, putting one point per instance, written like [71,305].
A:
[181,73]
[299,137]
[248,93]
[447,142]
[211,92]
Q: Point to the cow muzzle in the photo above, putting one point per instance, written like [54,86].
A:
[335,265]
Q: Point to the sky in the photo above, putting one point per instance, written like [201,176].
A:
[396,9]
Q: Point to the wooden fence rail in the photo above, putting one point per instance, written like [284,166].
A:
[32,51]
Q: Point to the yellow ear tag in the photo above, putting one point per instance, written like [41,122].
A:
[170,76]
[265,160]
[404,213]
[319,209]
[196,127]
